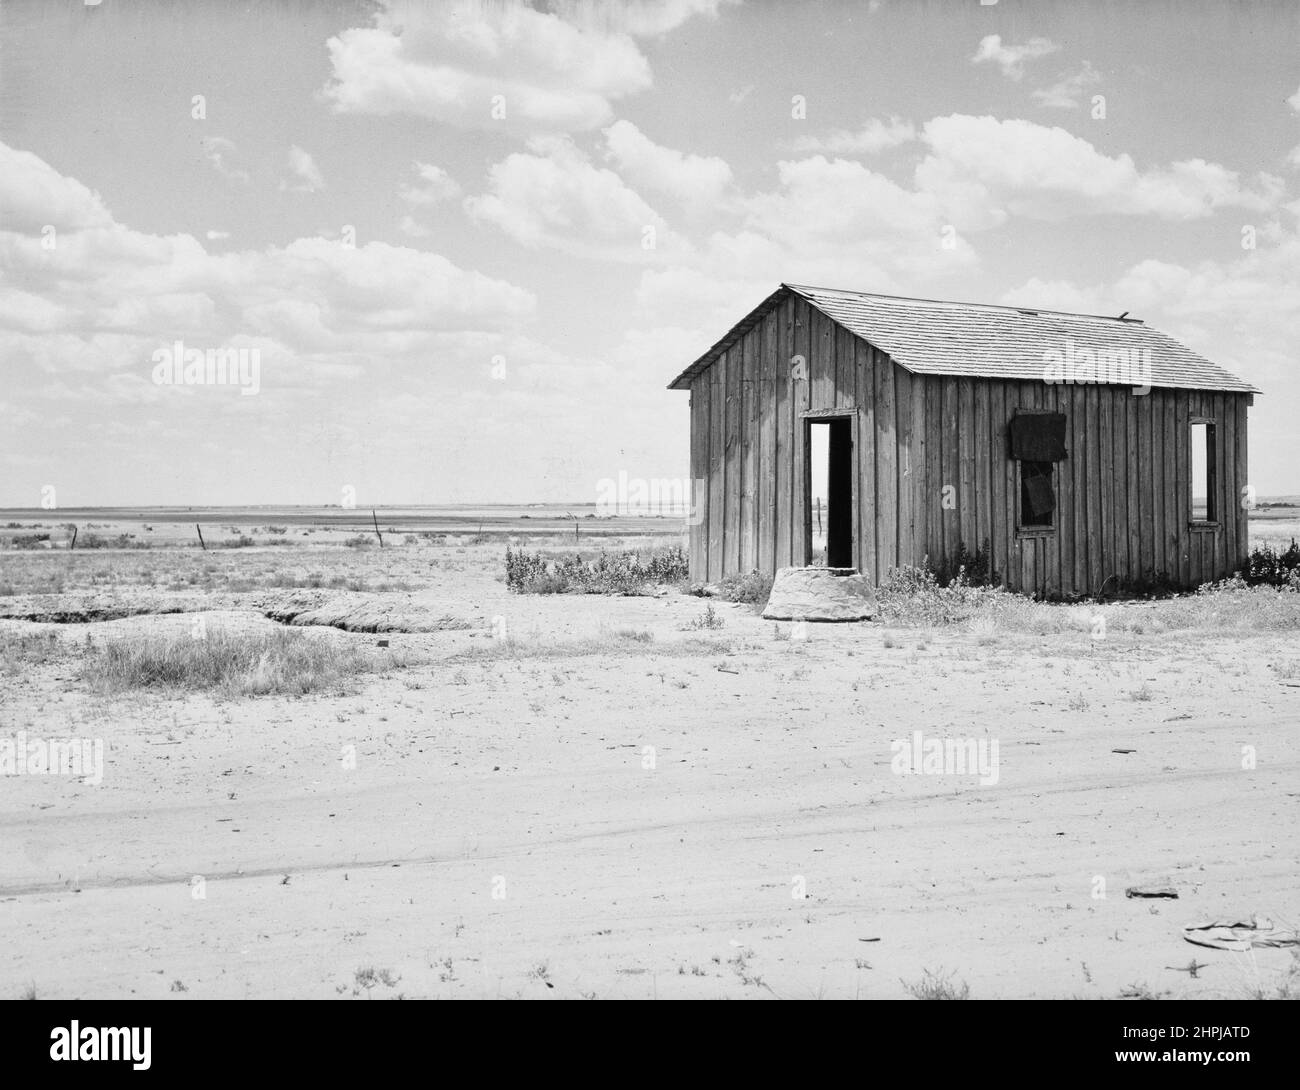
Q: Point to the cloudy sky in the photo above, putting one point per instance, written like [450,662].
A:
[472,244]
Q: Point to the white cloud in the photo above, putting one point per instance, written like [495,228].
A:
[874,136]
[105,296]
[553,196]
[216,149]
[307,174]
[457,63]
[216,236]
[984,171]
[1011,58]
[1066,93]
[640,18]
[695,180]
[435,185]
[36,194]
[1294,101]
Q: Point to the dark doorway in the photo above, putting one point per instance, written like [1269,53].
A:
[830,491]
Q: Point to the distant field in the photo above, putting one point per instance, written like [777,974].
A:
[1275,521]
[175,525]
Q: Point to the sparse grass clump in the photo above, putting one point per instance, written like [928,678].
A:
[20,651]
[289,663]
[709,619]
[937,985]
[752,588]
[605,573]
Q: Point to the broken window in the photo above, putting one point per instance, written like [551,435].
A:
[1203,472]
[1037,497]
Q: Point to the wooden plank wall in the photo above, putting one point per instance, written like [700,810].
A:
[1123,494]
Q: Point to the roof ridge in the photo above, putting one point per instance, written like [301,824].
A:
[802,289]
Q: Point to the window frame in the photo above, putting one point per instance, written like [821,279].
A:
[1211,520]
[1035,530]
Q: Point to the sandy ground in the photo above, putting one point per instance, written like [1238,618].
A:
[506,832]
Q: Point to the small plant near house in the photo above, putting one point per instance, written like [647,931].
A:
[973,569]
[752,588]
[707,620]
[914,596]
[937,985]
[1275,568]
[370,978]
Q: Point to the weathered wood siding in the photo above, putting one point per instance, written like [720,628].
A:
[932,470]
[1123,513]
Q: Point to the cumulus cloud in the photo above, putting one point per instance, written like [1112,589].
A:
[485,65]
[1011,58]
[984,171]
[306,174]
[874,136]
[36,195]
[106,295]
[1067,92]
[691,179]
[1294,101]
[553,195]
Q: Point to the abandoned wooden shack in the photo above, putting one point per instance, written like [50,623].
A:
[1084,454]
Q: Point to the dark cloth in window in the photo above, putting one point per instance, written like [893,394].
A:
[1038,437]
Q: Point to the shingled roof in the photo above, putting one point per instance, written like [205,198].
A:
[933,337]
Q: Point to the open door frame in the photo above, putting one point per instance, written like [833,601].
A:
[841,527]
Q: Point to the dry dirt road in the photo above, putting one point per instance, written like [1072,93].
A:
[506,831]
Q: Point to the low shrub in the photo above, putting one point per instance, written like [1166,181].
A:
[1273,567]
[28,541]
[914,596]
[753,588]
[91,540]
[974,569]
[606,573]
